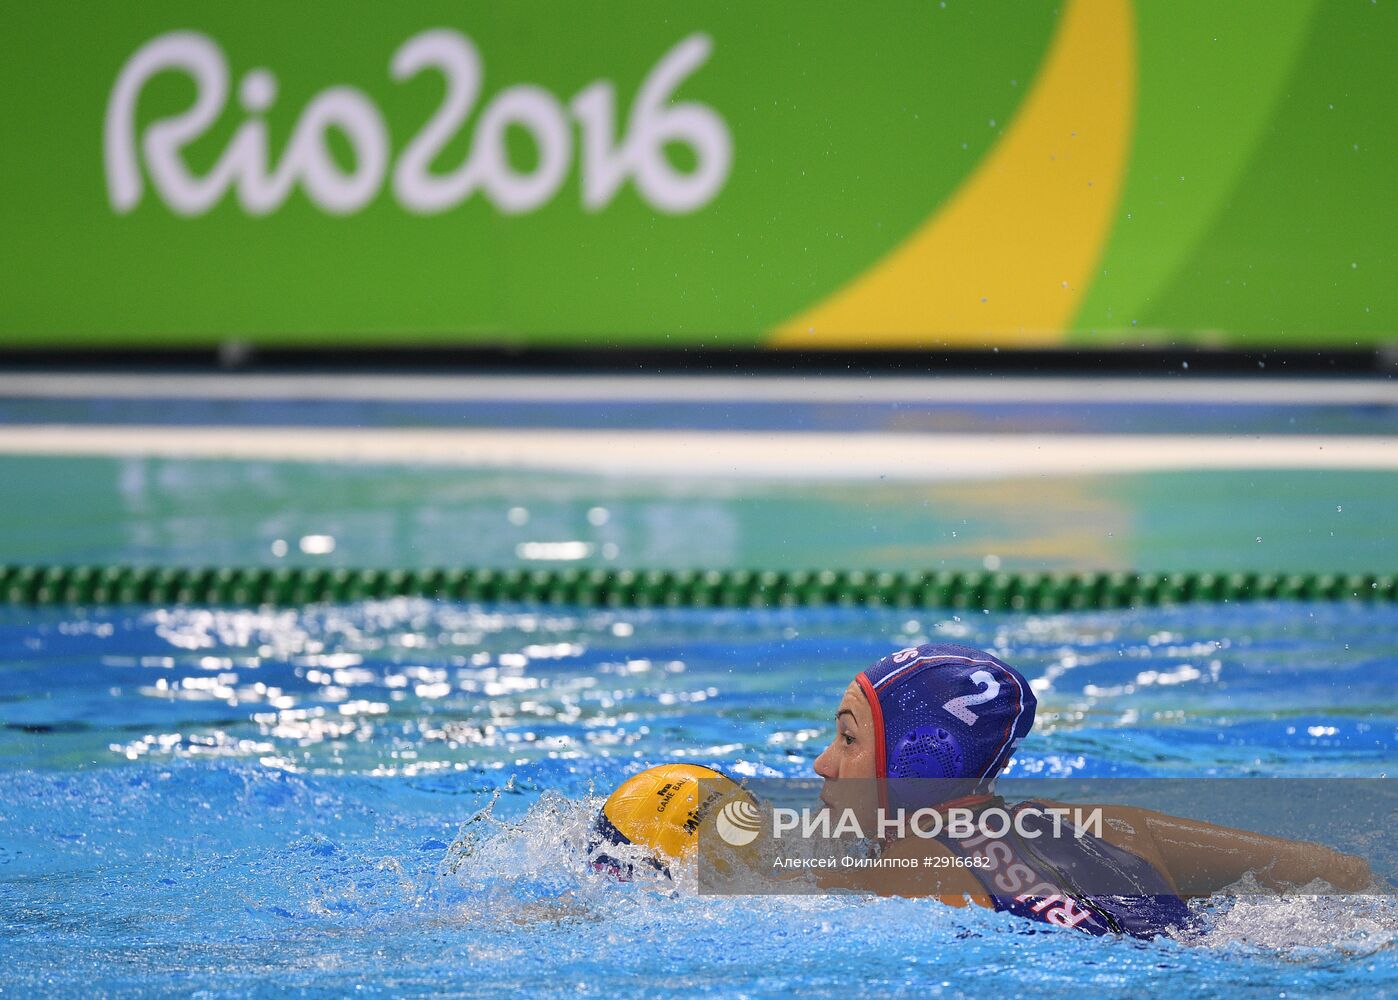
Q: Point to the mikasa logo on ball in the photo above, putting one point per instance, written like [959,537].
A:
[738,823]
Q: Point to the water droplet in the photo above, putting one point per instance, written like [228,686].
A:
[317,545]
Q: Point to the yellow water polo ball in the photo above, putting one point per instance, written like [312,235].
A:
[663,807]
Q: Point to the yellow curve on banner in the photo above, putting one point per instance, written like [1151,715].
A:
[1009,256]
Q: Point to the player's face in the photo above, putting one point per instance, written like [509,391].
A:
[850,755]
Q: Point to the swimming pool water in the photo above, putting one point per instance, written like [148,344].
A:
[213,802]
[393,798]
[181,511]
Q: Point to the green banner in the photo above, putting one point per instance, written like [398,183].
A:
[786,174]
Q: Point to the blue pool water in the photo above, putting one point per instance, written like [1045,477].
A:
[393,797]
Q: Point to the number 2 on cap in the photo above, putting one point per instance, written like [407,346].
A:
[960,707]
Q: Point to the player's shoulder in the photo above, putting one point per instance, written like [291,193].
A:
[932,869]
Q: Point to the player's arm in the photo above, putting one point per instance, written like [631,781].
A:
[1202,858]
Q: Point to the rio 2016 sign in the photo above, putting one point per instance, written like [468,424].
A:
[605,161]
[728,174]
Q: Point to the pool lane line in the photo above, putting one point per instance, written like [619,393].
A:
[728,454]
[734,588]
[890,389]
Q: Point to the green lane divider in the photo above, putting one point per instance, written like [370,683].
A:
[624,588]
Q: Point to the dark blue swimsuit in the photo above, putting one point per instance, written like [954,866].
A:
[1072,881]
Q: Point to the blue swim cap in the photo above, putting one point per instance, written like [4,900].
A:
[949,712]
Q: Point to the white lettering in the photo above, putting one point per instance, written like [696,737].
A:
[355,115]
[919,818]
[960,823]
[892,826]
[1058,814]
[848,826]
[1028,832]
[202,60]
[784,820]
[417,188]
[606,163]
[1089,825]
[1068,915]
[995,814]
[654,123]
[989,690]
[1013,878]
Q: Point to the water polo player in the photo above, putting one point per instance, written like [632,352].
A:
[934,725]
[929,729]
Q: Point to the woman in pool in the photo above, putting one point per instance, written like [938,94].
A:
[933,726]
[929,729]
